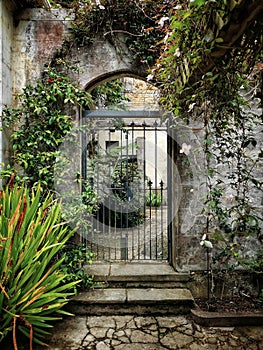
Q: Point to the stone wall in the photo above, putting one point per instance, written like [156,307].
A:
[39,34]
[6,35]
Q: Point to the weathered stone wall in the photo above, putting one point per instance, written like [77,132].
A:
[38,35]
[6,35]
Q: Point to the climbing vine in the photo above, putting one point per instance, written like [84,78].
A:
[221,88]
[137,23]
[39,124]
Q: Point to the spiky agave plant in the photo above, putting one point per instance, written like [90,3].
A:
[32,291]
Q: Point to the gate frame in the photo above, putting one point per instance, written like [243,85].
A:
[138,114]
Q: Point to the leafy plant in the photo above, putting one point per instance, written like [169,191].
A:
[33,288]
[40,123]
[153,199]
[110,95]
[135,22]
[256,264]
[76,256]
[218,88]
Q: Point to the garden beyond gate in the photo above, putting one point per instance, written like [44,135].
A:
[126,161]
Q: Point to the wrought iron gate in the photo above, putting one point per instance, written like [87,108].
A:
[125,161]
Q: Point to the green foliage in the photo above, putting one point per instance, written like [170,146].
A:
[218,92]
[153,199]
[127,212]
[40,123]
[76,256]
[109,95]
[32,287]
[256,264]
[125,173]
[134,22]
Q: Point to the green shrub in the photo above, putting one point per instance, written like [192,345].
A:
[153,199]
[75,257]
[32,287]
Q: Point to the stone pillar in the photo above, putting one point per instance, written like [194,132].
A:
[6,84]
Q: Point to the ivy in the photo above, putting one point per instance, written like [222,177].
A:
[136,23]
[219,93]
[40,123]
[109,95]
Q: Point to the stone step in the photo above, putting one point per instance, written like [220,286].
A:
[137,275]
[140,301]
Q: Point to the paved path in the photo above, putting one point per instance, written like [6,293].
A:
[149,333]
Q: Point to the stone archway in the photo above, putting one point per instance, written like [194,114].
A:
[136,228]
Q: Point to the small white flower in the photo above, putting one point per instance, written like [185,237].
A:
[191,106]
[192,190]
[177,52]
[99,5]
[162,21]
[166,38]
[185,149]
[150,77]
[205,242]
[208,244]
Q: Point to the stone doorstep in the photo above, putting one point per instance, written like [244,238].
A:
[136,272]
[221,319]
[134,295]
[124,301]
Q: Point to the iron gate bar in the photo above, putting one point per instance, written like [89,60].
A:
[100,113]
[150,243]
[155,179]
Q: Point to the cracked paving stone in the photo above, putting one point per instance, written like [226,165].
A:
[233,342]
[88,339]
[124,339]
[198,335]
[128,332]
[221,338]
[195,346]
[110,333]
[162,330]
[102,346]
[71,332]
[188,332]
[254,333]
[171,322]
[225,347]
[253,347]
[119,334]
[115,342]
[124,321]
[143,322]
[212,340]
[100,321]
[174,338]
[139,346]
[138,336]
[98,332]
[131,324]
